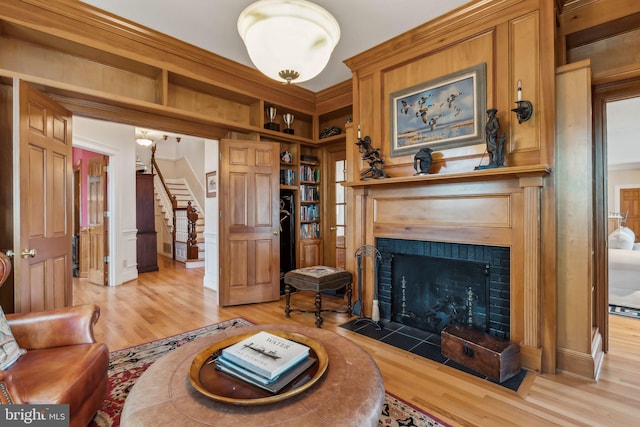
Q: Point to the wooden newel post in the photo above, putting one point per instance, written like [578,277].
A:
[192,239]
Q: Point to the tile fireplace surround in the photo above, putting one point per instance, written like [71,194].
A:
[495,207]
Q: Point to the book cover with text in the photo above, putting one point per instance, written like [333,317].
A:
[266,354]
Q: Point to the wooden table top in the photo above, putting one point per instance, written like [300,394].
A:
[350,393]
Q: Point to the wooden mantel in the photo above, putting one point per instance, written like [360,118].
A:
[494,207]
[476,175]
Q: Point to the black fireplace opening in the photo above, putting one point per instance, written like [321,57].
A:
[430,293]
[428,285]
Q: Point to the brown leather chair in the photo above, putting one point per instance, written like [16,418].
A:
[63,362]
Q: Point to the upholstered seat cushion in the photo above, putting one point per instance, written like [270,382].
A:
[10,351]
[318,278]
[66,374]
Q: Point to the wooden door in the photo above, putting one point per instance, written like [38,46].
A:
[335,252]
[630,206]
[97,220]
[249,225]
[44,255]
[7,177]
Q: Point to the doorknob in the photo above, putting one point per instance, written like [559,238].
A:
[9,253]
[28,252]
[332,228]
[275,233]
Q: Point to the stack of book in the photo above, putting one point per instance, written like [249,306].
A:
[266,361]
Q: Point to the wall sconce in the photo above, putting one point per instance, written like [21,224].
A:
[524,109]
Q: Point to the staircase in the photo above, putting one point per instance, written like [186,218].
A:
[183,196]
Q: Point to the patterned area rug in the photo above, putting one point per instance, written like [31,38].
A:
[126,366]
[624,311]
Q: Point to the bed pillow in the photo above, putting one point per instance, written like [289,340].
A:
[622,238]
[10,351]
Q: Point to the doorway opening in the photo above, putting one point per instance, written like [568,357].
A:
[615,108]
[94,199]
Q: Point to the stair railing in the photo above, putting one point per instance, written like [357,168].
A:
[178,215]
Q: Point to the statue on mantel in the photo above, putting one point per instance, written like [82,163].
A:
[422,161]
[495,143]
[372,156]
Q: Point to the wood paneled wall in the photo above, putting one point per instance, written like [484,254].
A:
[515,40]
[607,32]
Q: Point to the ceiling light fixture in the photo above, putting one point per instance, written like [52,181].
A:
[144,140]
[288,40]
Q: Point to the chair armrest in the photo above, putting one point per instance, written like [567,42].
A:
[8,389]
[55,328]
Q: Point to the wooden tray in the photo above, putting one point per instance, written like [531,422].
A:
[223,388]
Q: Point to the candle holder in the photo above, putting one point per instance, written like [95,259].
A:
[523,111]
[271,115]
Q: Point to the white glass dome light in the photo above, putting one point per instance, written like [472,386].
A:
[144,140]
[288,40]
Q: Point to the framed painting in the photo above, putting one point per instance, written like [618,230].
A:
[446,112]
[212,184]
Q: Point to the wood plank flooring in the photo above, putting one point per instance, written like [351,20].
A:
[171,301]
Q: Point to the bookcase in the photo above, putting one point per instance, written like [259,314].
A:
[310,207]
[300,221]
[309,200]
[288,166]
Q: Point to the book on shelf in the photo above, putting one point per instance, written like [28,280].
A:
[309,193]
[309,174]
[266,354]
[287,177]
[310,231]
[273,385]
[308,158]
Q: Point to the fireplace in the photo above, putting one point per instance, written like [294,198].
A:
[455,212]
[428,285]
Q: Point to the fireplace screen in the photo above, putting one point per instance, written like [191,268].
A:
[429,293]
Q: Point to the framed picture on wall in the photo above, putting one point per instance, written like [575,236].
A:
[212,184]
[441,113]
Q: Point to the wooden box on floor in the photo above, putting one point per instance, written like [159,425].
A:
[488,355]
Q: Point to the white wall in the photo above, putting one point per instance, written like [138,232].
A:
[178,159]
[117,141]
[192,150]
[211,264]
[623,150]
[623,128]
[617,180]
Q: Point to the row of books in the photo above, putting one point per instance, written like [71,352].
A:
[310,231]
[308,173]
[309,212]
[309,193]
[266,361]
[287,177]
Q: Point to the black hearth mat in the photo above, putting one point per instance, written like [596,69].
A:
[421,343]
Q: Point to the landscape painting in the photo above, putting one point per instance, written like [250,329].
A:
[442,113]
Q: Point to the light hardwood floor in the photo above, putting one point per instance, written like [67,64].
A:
[172,301]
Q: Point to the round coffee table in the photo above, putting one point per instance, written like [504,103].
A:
[350,393]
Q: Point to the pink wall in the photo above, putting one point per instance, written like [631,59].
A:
[82,156]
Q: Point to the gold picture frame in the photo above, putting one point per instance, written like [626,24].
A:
[445,112]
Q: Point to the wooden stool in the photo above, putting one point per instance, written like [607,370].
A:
[318,278]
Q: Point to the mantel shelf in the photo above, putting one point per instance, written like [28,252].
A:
[476,175]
